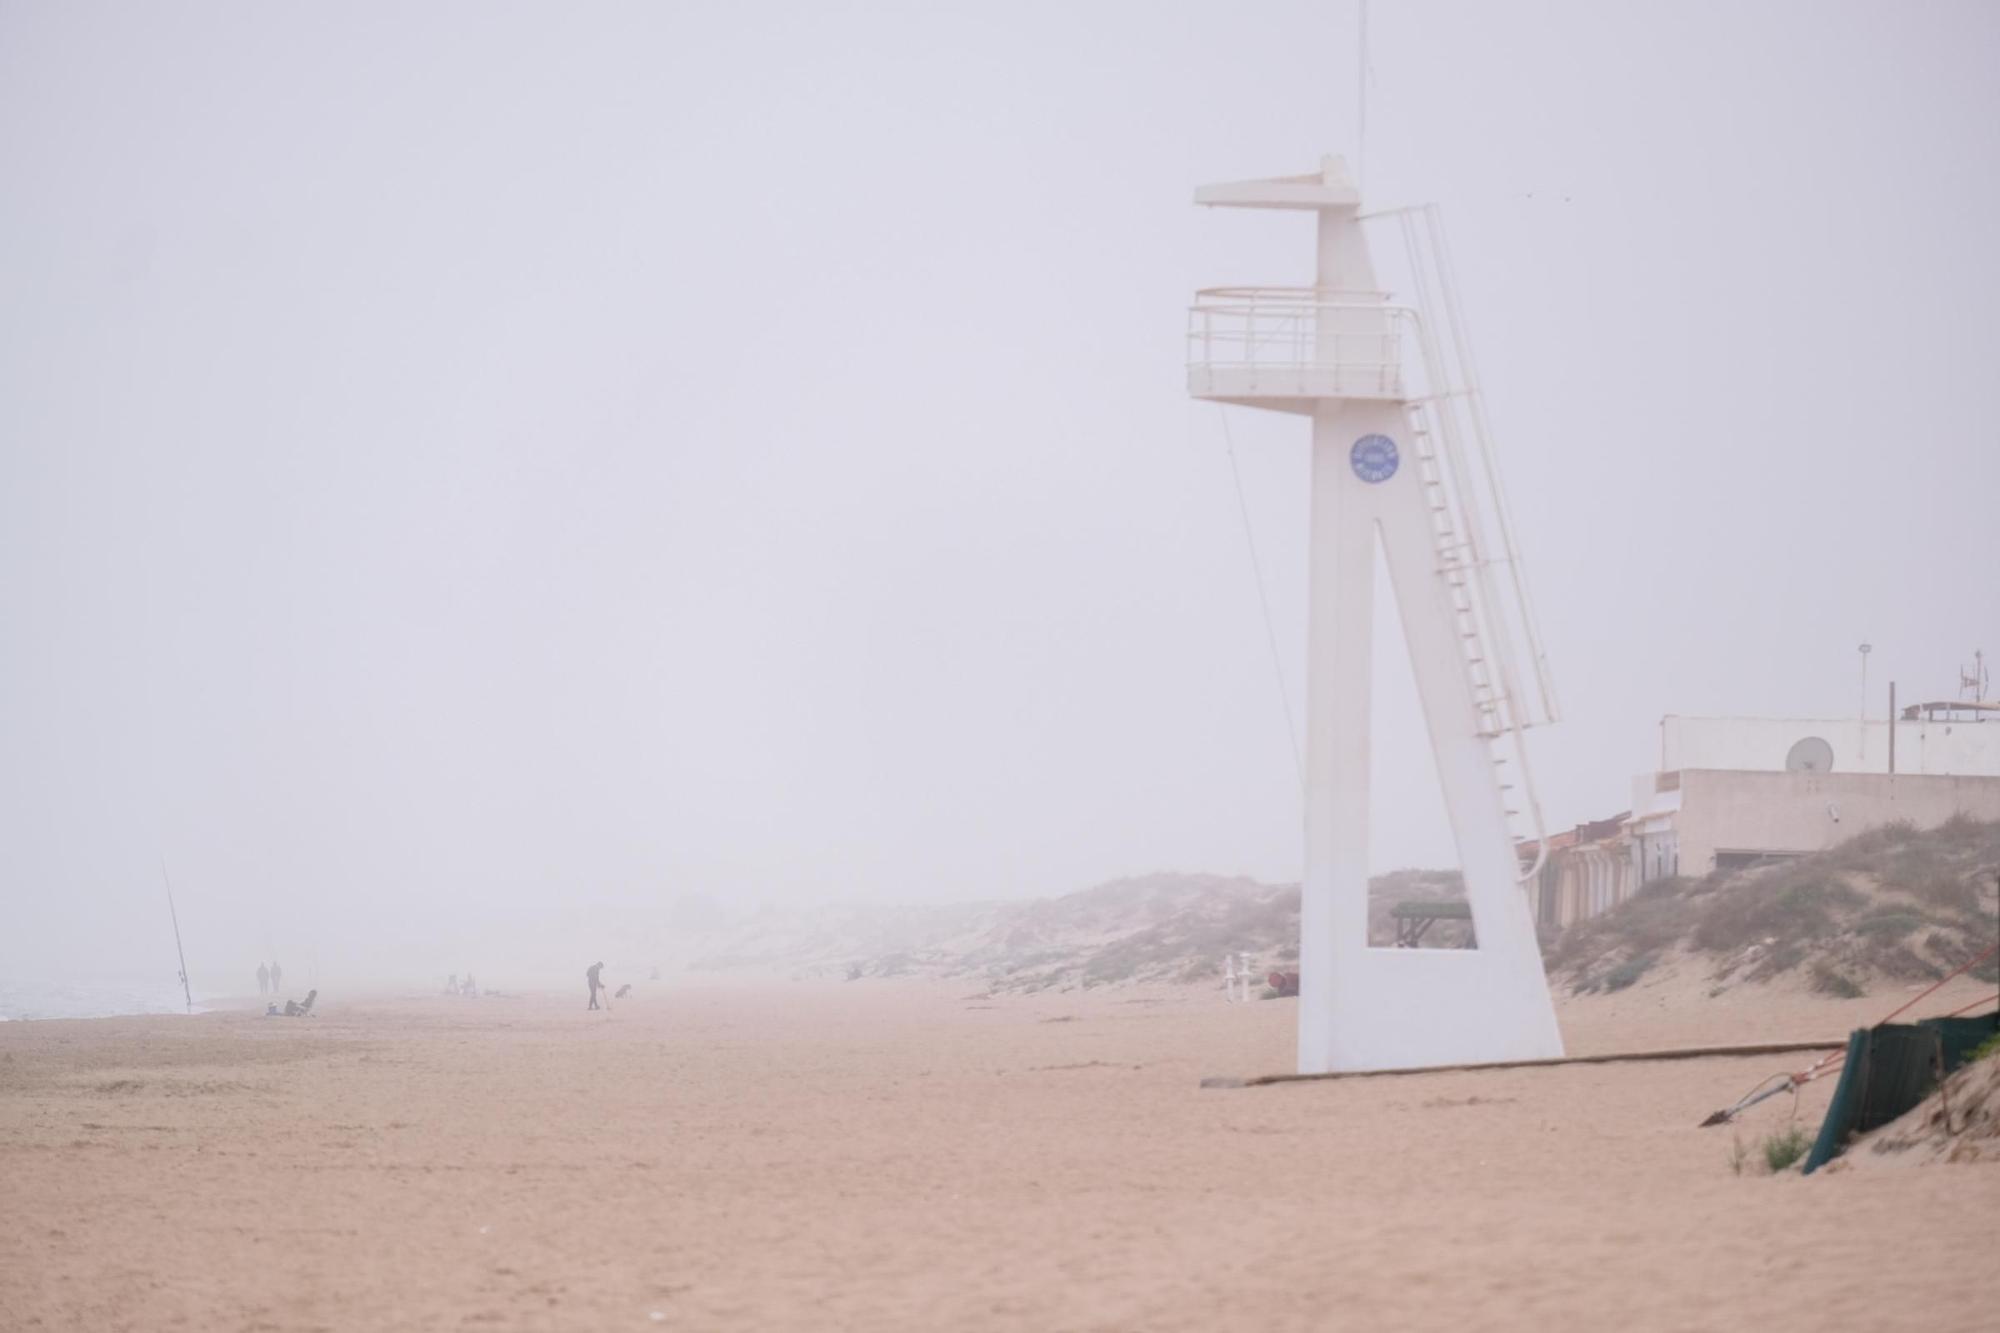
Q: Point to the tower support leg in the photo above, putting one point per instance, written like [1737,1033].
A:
[1359,1007]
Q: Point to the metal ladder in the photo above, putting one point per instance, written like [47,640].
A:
[1488,675]
[1448,421]
[1457,564]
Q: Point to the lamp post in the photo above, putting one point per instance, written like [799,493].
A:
[1866,649]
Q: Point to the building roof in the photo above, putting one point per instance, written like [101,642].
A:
[1593,831]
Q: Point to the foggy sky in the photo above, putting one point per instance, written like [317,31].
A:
[474,472]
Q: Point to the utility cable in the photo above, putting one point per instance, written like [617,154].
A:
[1263,599]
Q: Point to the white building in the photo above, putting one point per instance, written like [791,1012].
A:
[1960,741]
[1732,791]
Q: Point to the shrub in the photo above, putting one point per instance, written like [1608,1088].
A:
[1864,847]
[1888,923]
[895,965]
[1781,957]
[1897,961]
[1827,981]
[1779,905]
[1784,1148]
[1650,921]
[1945,891]
[1629,971]
[1962,829]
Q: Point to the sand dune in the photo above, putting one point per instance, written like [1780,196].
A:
[915,1154]
[1162,927]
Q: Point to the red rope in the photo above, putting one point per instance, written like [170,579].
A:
[1964,967]
[1836,1057]
[1991,999]
[1830,1062]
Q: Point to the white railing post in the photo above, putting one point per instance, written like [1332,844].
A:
[1284,341]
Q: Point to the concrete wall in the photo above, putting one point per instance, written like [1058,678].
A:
[1761,744]
[1796,812]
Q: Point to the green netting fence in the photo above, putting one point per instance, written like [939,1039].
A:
[1889,1069]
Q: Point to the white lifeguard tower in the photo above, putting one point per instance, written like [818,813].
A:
[1400,459]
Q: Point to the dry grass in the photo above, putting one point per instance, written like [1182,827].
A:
[1828,980]
[1896,904]
[1654,918]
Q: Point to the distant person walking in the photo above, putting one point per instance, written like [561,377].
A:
[596,983]
[277,978]
[263,979]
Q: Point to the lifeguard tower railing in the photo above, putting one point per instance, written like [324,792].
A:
[1285,347]
[1295,342]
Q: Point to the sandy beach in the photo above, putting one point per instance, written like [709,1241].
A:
[907,1154]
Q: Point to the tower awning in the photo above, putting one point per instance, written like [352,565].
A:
[1329,187]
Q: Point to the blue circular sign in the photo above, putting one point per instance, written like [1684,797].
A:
[1374,458]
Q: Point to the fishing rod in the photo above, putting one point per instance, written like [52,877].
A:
[186,994]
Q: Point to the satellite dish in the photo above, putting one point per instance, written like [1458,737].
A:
[1811,755]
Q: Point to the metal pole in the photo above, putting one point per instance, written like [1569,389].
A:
[1361,99]
[1866,648]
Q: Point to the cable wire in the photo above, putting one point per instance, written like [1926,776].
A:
[1263,599]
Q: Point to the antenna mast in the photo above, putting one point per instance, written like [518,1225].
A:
[1361,103]
[186,994]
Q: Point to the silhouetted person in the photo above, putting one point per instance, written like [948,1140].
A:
[471,987]
[277,978]
[263,979]
[596,985]
[451,984]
